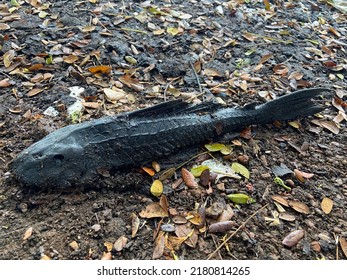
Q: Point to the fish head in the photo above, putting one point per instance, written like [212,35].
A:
[52,161]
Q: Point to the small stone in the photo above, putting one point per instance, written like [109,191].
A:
[23,207]
[215,210]
[243,159]
[315,246]
[337,230]
[96,227]
[73,245]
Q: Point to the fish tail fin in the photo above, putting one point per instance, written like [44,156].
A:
[292,106]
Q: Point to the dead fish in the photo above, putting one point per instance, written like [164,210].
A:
[73,154]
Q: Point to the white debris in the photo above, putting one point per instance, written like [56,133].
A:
[75,92]
[51,112]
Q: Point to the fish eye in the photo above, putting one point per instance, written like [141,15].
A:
[58,158]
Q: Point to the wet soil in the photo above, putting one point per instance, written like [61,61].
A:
[226,46]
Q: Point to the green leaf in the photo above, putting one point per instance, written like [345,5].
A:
[197,170]
[215,147]
[49,59]
[278,181]
[240,198]
[14,3]
[240,169]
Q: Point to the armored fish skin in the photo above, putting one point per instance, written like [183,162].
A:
[73,154]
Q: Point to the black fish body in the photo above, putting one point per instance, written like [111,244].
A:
[74,154]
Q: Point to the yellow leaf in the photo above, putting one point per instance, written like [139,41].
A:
[240,169]
[197,170]
[295,124]
[43,14]
[8,58]
[327,205]
[172,30]
[214,147]
[157,188]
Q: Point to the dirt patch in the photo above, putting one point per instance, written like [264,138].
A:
[237,52]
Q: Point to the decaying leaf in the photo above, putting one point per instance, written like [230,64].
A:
[120,243]
[28,233]
[226,215]
[281,69]
[114,95]
[135,223]
[35,91]
[221,169]
[154,210]
[5,83]
[287,217]
[299,206]
[159,246]
[327,205]
[194,217]
[343,244]
[131,82]
[293,238]
[187,232]
[188,178]
[157,188]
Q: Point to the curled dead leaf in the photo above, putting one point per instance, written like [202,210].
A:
[281,200]
[221,226]
[154,210]
[188,178]
[281,69]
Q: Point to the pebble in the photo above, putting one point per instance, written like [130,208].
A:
[96,227]
[23,207]
[315,246]
[337,230]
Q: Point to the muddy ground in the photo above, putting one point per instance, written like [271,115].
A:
[240,52]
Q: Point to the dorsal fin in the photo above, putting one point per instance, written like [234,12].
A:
[174,107]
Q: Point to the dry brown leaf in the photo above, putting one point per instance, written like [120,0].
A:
[187,232]
[176,242]
[265,58]
[135,223]
[327,205]
[159,246]
[120,243]
[8,58]
[188,178]
[153,210]
[163,202]
[5,83]
[4,26]
[211,72]
[70,58]
[343,244]
[299,206]
[35,67]
[281,200]
[194,217]
[301,176]
[331,126]
[293,238]
[28,233]
[281,69]
[35,91]
[132,83]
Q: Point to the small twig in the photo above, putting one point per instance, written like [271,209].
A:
[236,231]
[196,77]
[133,30]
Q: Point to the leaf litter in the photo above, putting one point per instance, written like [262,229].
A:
[233,60]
